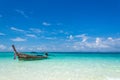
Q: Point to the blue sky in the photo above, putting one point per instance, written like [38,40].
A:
[60,25]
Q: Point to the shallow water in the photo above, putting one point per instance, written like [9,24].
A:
[62,66]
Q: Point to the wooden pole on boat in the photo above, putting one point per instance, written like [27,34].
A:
[15,51]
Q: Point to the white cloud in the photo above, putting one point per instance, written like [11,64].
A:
[2,47]
[16,29]
[37,48]
[22,13]
[2,34]
[71,37]
[110,38]
[93,44]
[46,24]
[114,42]
[18,39]
[99,44]
[31,35]
[98,41]
[36,30]
[49,24]
[63,32]
[83,36]
[21,48]
[79,36]
[40,48]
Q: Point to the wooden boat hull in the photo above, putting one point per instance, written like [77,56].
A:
[22,56]
[30,57]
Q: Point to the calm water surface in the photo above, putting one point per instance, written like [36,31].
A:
[62,66]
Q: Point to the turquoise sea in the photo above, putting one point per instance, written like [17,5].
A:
[62,66]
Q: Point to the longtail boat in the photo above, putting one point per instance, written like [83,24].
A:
[23,56]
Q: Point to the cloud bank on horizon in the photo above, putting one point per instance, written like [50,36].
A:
[60,25]
[29,40]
